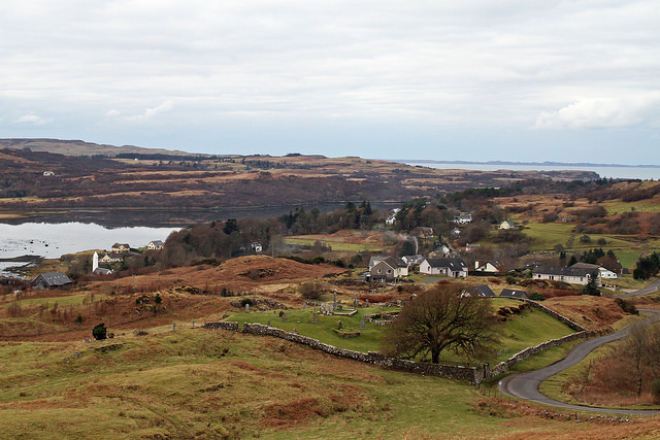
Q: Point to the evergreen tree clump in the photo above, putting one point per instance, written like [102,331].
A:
[99,332]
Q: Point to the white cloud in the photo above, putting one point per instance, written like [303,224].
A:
[31,119]
[603,113]
[149,113]
[508,64]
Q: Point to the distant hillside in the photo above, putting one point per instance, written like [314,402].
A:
[82,148]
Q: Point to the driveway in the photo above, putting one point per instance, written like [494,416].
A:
[526,385]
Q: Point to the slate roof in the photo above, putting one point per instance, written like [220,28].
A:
[482,291]
[564,271]
[53,279]
[510,293]
[390,261]
[454,264]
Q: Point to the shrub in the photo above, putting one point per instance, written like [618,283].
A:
[535,296]
[627,306]
[312,290]
[655,391]
[99,332]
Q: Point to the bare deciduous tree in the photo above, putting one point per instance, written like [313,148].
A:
[441,318]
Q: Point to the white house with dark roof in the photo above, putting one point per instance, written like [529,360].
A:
[451,267]
[570,275]
[604,272]
[463,219]
[155,245]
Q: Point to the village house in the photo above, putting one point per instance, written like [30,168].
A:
[256,247]
[451,267]
[515,294]
[482,291]
[506,225]
[422,232]
[155,245]
[391,219]
[463,219]
[493,266]
[113,257]
[571,275]
[120,248]
[387,268]
[50,279]
[605,273]
[413,260]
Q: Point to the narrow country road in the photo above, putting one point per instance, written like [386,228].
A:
[653,287]
[526,385]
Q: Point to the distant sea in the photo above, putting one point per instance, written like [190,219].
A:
[643,172]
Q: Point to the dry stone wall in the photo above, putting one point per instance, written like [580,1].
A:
[471,374]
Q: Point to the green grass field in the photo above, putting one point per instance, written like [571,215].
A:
[335,245]
[519,331]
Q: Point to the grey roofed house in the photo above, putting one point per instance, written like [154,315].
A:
[452,267]
[391,261]
[482,291]
[572,275]
[50,279]
[510,293]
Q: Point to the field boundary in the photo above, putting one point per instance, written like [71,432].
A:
[473,375]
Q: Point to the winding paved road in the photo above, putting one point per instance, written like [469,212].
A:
[526,385]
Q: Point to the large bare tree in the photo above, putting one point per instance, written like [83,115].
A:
[443,318]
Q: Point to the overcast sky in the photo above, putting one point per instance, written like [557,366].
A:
[511,80]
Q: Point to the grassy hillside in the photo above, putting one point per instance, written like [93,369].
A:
[211,385]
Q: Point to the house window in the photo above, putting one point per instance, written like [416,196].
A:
[380,270]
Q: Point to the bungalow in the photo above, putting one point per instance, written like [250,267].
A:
[120,247]
[451,267]
[511,293]
[482,291]
[571,275]
[604,272]
[101,271]
[155,245]
[50,279]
